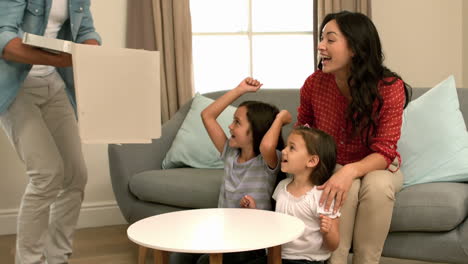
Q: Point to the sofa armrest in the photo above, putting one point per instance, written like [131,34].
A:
[128,159]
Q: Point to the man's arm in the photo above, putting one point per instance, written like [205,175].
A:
[87,31]
[16,51]
[91,42]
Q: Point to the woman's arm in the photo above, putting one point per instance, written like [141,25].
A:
[337,187]
[270,140]
[388,132]
[210,113]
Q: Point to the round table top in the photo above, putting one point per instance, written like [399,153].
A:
[217,230]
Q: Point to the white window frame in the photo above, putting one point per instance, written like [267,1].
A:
[250,34]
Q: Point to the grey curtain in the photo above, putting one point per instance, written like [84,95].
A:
[165,25]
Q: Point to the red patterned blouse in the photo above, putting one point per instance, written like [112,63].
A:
[323,106]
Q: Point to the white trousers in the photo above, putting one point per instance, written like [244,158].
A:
[366,216]
[42,127]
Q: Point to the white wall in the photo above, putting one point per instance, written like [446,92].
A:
[99,207]
[422,39]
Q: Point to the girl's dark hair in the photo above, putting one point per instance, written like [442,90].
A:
[321,144]
[367,70]
[261,116]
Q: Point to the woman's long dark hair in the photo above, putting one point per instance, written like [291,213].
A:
[367,70]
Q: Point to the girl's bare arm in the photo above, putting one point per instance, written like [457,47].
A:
[210,113]
[329,227]
[270,140]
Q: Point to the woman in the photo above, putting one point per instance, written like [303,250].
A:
[360,102]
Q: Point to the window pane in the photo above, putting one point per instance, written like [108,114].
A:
[219,62]
[219,16]
[282,15]
[283,61]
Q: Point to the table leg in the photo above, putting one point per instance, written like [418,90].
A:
[274,255]
[160,256]
[216,258]
[142,254]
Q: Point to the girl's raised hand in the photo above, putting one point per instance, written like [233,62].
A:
[248,202]
[325,224]
[285,117]
[250,85]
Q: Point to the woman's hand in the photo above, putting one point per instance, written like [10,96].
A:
[284,116]
[249,85]
[337,187]
[248,202]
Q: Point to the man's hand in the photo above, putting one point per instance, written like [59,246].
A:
[91,42]
[65,59]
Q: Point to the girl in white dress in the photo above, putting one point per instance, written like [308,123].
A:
[310,158]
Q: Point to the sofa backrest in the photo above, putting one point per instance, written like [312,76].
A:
[289,99]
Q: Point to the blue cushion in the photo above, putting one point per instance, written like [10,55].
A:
[192,147]
[434,140]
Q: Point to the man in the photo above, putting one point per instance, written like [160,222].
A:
[37,114]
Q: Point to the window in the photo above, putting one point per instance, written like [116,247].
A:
[271,40]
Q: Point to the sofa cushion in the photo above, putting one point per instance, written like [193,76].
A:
[184,187]
[434,140]
[430,207]
[192,147]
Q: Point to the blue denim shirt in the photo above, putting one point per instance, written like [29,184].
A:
[19,16]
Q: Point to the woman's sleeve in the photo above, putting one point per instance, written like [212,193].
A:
[11,16]
[305,113]
[389,124]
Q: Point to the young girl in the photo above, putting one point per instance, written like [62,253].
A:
[310,157]
[251,156]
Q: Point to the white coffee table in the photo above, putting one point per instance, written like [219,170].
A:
[215,231]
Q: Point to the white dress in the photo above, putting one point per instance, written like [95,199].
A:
[309,245]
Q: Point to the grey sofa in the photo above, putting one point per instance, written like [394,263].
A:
[429,221]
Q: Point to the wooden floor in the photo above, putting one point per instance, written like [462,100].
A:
[110,245]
